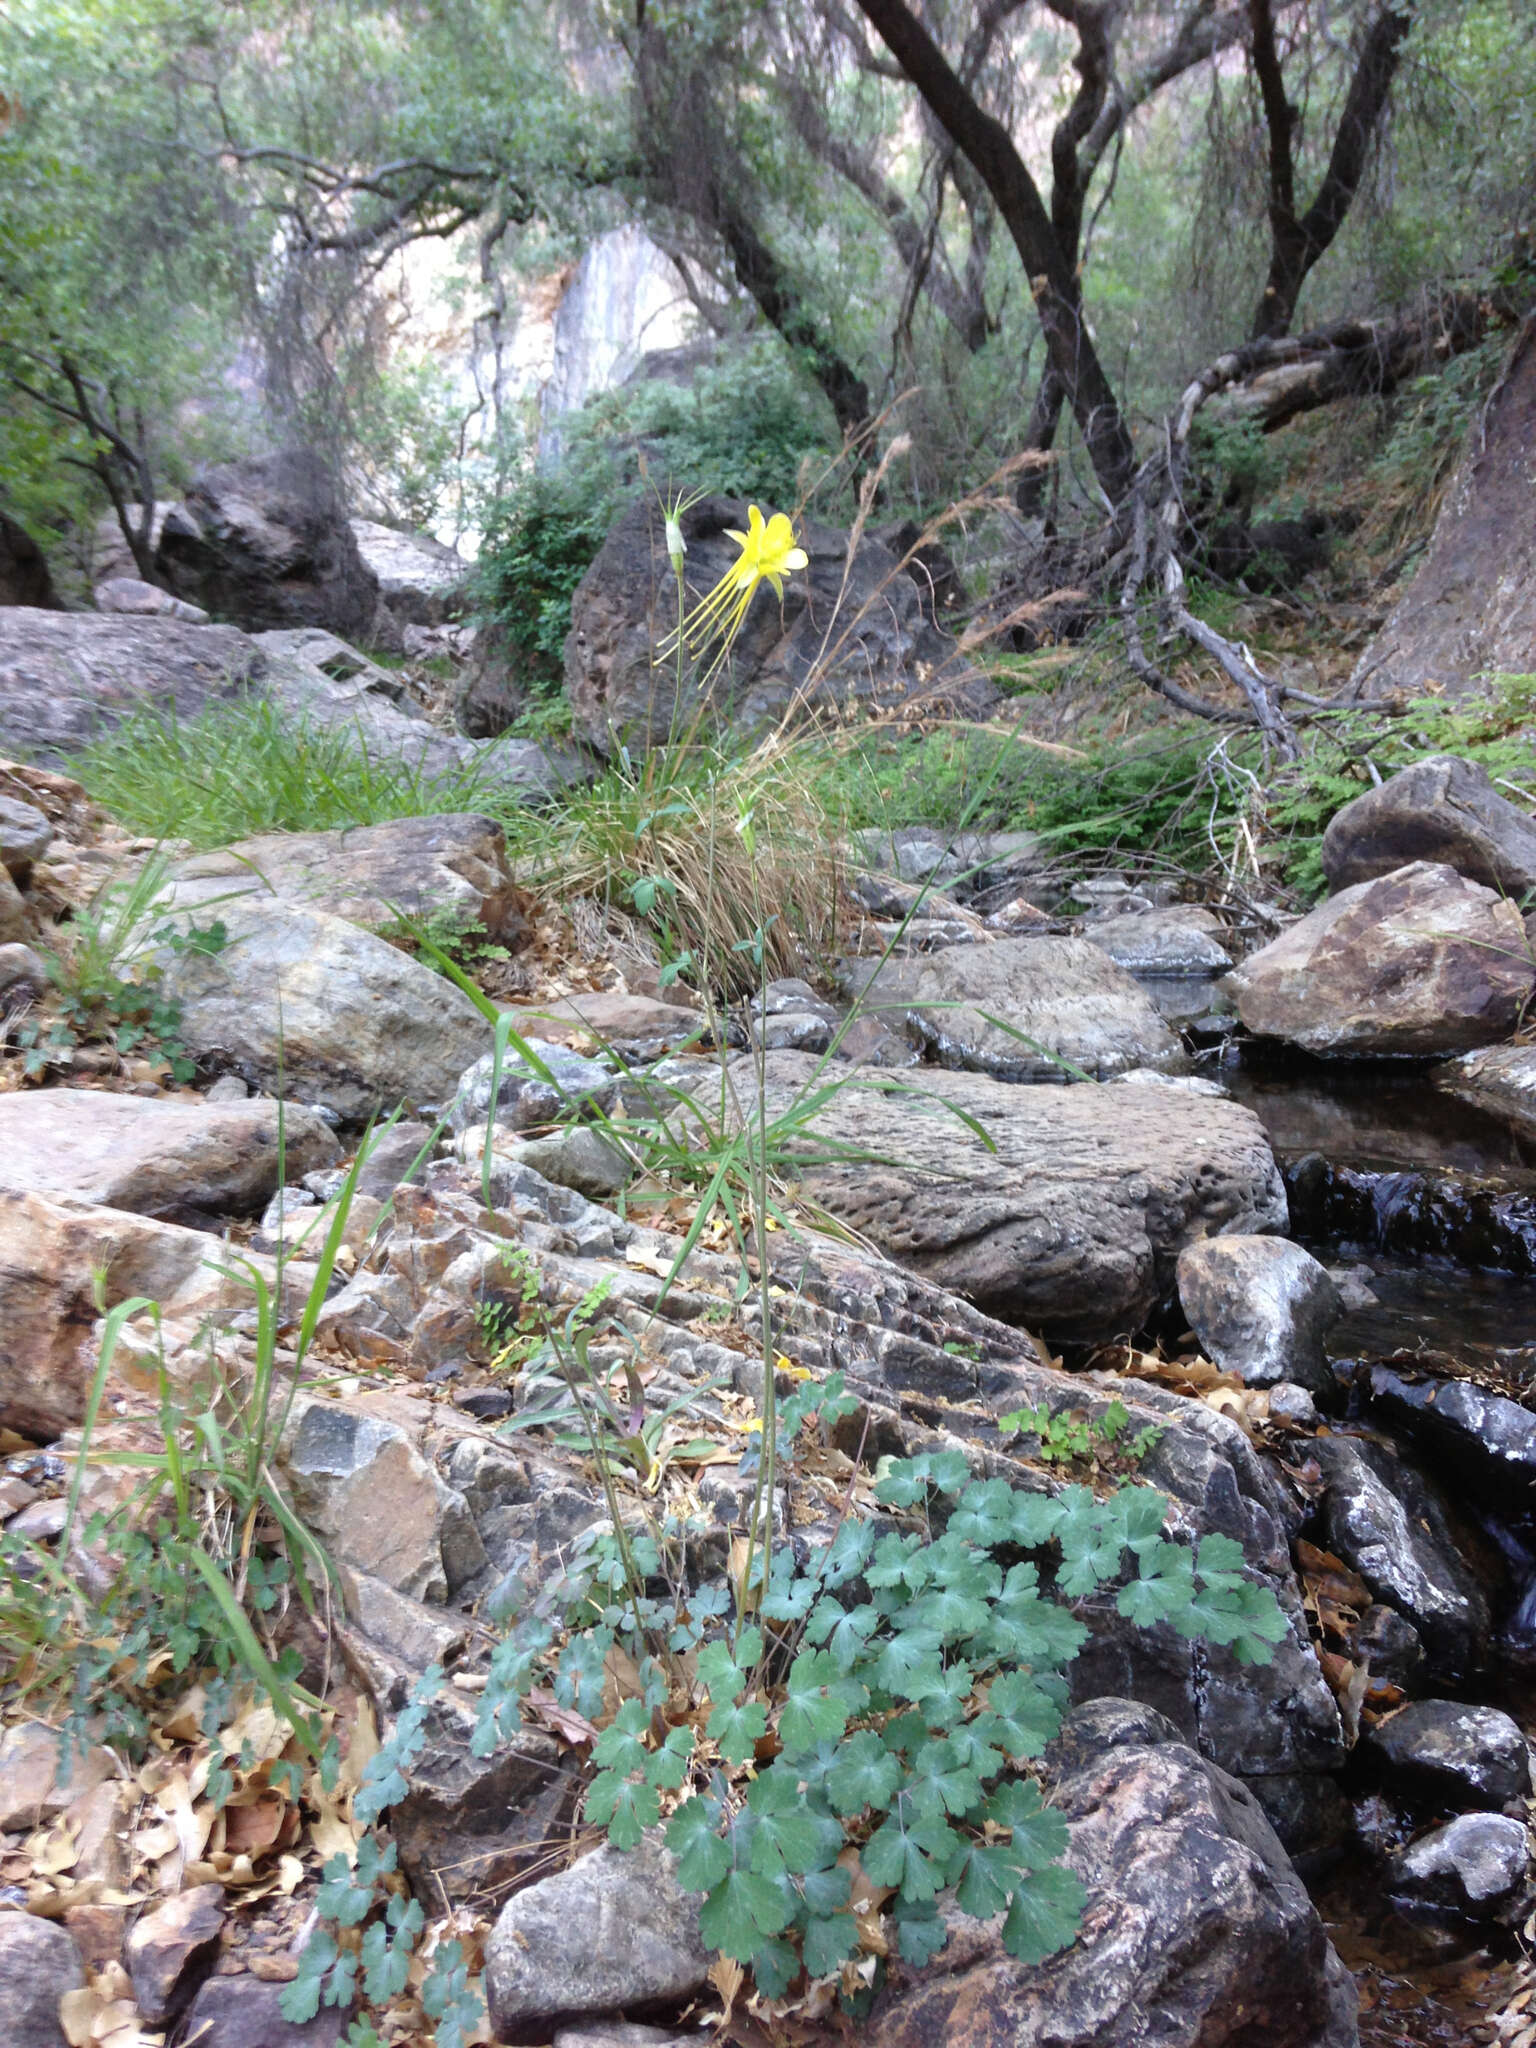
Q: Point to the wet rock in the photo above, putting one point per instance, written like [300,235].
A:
[1453,1754]
[1073,1223]
[375,1502]
[64,676]
[243,2012]
[1382,1517]
[1059,1004]
[1439,809]
[1261,1308]
[1478,1866]
[25,835]
[145,600]
[472,1825]
[1500,1078]
[154,1155]
[1179,940]
[845,635]
[525,1096]
[450,865]
[615,1933]
[1311,1816]
[1488,1439]
[265,542]
[421,582]
[333,1013]
[1419,961]
[1390,1646]
[172,1948]
[38,1965]
[1194,1914]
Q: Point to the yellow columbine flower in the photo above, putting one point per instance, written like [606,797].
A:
[768,554]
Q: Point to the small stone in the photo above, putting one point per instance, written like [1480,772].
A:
[22,968]
[25,835]
[1261,1307]
[97,1932]
[1389,1645]
[486,1404]
[41,1523]
[416,1634]
[1478,1865]
[1452,1753]
[227,1088]
[38,1965]
[1292,1405]
[244,2012]
[614,1930]
[172,1948]
[578,1158]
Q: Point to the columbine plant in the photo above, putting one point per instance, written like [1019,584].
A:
[768,554]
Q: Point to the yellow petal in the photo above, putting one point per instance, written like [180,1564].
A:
[732,534]
[797,558]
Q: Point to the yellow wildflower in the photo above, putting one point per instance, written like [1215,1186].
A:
[768,555]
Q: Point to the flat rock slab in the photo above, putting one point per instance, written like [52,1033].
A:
[155,1155]
[331,1013]
[1072,1224]
[451,862]
[1499,1078]
[1020,1009]
[1418,962]
[1197,1930]
[1180,940]
[65,677]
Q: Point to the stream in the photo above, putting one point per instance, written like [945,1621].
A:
[1430,1205]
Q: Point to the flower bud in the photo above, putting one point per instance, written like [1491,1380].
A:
[677,547]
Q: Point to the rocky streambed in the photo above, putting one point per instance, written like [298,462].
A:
[1077,1164]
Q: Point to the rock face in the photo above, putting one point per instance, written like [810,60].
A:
[1180,940]
[614,1933]
[1441,809]
[1064,1002]
[38,1964]
[420,580]
[335,1015]
[265,543]
[1383,1519]
[65,676]
[1196,1923]
[1072,1224]
[827,648]
[154,1156]
[1419,961]
[1453,1754]
[1261,1307]
[453,862]
[1501,1078]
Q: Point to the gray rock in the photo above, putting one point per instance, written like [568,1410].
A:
[373,1500]
[171,1948]
[525,1097]
[614,1933]
[392,1157]
[1194,1916]
[1477,1866]
[1390,1645]
[227,1088]
[1500,1078]
[1179,940]
[841,638]
[1059,1004]
[265,542]
[1261,1307]
[146,601]
[1382,1516]
[1418,961]
[622,2034]
[578,1158]
[420,580]
[155,1155]
[1452,1753]
[66,676]
[338,1017]
[15,927]
[1073,1223]
[243,2012]
[21,969]
[25,835]
[1440,809]
[452,863]
[38,1964]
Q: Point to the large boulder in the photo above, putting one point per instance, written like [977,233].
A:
[1261,1307]
[1020,1009]
[266,542]
[421,581]
[845,636]
[1069,1215]
[1197,1930]
[156,1156]
[300,1000]
[1419,961]
[67,676]
[449,865]
[1441,809]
